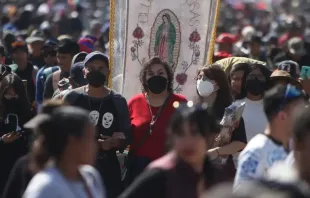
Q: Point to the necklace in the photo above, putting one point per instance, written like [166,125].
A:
[90,104]
[155,117]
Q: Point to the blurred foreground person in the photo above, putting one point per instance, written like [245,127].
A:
[264,150]
[23,171]
[64,151]
[295,170]
[15,111]
[184,171]
[252,190]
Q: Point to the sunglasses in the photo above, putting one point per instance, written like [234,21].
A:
[291,93]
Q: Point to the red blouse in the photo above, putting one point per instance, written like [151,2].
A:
[154,146]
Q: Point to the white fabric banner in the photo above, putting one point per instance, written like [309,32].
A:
[177,31]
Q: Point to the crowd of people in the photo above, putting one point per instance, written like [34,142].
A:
[63,130]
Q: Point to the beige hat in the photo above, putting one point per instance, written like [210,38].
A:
[283,75]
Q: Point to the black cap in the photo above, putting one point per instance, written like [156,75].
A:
[96,55]
[290,67]
[76,73]
[80,57]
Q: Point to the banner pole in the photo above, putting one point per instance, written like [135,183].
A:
[111,41]
[214,31]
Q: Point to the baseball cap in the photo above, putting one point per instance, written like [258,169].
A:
[296,46]
[76,73]
[96,55]
[291,67]
[49,44]
[36,35]
[19,45]
[225,38]
[80,57]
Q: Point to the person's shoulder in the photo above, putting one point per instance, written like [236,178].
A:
[178,98]
[115,94]
[88,169]
[72,94]
[43,184]
[136,98]
[255,146]
[165,163]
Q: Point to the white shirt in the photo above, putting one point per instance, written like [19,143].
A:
[258,156]
[50,183]
[254,117]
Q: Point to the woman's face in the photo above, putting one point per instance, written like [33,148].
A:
[86,146]
[207,88]
[190,145]
[236,81]
[256,73]
[156,70]
[165,19]
[10,94]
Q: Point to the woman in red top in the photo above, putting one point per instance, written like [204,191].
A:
[150,113]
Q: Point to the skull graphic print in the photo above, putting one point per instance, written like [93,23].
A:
[107,120]
[94,117]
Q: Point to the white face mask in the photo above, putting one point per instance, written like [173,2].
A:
[205,88]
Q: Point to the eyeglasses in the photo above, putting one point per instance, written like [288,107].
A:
[291,93]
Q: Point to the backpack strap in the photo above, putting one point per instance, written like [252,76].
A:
[55,79]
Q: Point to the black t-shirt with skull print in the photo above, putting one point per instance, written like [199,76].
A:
[103,114]
[109,114]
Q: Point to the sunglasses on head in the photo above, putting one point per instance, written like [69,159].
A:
[291,93]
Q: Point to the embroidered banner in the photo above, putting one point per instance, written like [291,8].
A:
[178,31]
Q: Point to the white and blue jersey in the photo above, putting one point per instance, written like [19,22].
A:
[258,156]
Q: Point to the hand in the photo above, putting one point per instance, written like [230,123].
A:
[213,153]
[10,137]
[105,142]
[119,135]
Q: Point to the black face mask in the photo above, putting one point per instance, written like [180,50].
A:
[157,84]
[96,78]
[255,87]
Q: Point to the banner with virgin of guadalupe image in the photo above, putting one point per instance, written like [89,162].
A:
[177,31]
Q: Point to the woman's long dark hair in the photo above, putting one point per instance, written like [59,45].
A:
[224,96]
[16,83]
